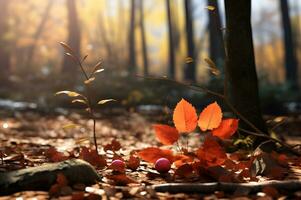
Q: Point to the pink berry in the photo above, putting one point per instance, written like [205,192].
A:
[118,165]
[162,165]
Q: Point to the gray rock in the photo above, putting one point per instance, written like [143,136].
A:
[44,176]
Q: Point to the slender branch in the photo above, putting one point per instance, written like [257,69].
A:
[289,147]
[90,106]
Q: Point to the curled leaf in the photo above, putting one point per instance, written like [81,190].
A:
[98,71]
[66,47]
[104,101]
[79,101]
[213,68]
[185,117]
[96,67]
[189,60]
[166,134]
[89,80]
[210,117]
[71,56]
[211,8]
[226,129]
[69,93]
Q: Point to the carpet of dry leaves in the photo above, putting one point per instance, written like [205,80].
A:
[31,139]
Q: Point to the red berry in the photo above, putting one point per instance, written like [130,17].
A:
[162,165]
[118,165]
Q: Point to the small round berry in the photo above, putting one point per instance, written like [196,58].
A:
[162,165]
[118,165]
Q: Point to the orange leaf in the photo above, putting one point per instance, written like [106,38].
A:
[226,129]
[166,134]
[211,153]
[152,154]
[185,117]
[210,117]
[181,159]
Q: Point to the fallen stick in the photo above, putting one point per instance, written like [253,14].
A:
[289,185]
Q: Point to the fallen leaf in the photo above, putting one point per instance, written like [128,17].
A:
[121,179]
[184,171]
[113,146]
[55,156]
[133,162]
[211,153]
[152,154]
[91,156]
[166,134]
[185,117]
[211,117]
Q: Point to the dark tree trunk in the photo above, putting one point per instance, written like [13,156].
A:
[190,68]
[143,39]
[37,35]
[216,47]
[171,46]
[290,56]
[4,44]
[132,44]
[240,66]
[73,37]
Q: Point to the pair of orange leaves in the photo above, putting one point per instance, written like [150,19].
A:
[186,120]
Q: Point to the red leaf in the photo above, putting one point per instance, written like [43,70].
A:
[226,129]
[54,155]
[211,152]
[133,162]
[121,179]
[92,157]
[166,134]
[152,154]
[210,117]
[184,171]
[185,117]
[113,146]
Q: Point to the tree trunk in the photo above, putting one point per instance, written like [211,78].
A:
[4,44]
[290,56]
[216,46]
[73,37]
[240,67]
[143,39]
[190,68]
[171,48]
[37,35]
[132,44]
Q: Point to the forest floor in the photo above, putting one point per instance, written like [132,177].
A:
[27,137]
